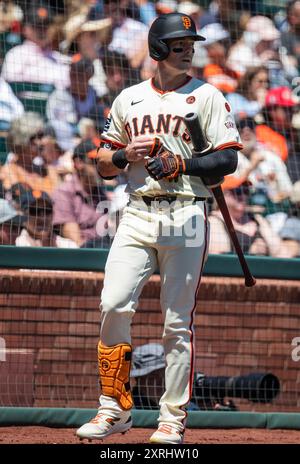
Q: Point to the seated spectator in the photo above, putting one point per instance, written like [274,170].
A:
[232,14]
[25,163]
[253,230]
[250,95]
[10,223]
[287,225]
[118,76]
[10,106]
[125,33]
[216,72]
[290,38]
[200,16]
[34,60]
[76,200]
[290,232]
[88,37]
[37,229]
[261,166]
[259,46]
[277,131]
[66,107]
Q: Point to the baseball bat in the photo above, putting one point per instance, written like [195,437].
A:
[200,143]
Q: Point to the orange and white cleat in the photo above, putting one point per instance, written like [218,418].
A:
[103,425]
[167,433]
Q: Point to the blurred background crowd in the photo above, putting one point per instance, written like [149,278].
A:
[63,63]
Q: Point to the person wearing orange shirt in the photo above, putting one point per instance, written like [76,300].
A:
[216,72]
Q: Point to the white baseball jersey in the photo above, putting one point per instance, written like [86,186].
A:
[145,110]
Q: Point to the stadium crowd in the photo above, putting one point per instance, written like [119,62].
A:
[63,63]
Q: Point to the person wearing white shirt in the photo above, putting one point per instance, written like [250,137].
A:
[10,106]
[34,60]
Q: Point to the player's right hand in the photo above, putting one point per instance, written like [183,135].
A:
[138,149]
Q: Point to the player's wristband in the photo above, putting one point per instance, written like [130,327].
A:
[119,159]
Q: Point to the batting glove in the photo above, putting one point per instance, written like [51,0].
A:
[166,165]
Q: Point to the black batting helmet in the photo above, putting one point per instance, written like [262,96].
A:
[169,26]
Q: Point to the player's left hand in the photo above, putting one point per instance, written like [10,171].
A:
[165,165]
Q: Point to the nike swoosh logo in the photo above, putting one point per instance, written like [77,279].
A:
[135,103]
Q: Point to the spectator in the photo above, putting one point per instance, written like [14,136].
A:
[118,76]
[249,97]
[260,46]
[254,231]
[37,229]
[10,106]
[88,38]
[277,131]
[76,200]
[287,225]
[25,163]
[232,14]
[197,12]
[216,72]
[66,107]
[147,11]
[125,33]
[10,223]
[34,60]
[291,38]
[262,167]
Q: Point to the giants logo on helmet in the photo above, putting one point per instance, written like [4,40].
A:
[186,22]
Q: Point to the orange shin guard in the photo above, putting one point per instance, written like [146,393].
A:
[114,370]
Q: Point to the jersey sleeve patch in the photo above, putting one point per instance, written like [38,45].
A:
[110,144]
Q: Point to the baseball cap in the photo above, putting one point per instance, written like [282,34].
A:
[18,190]
[281,96]
[146,359]
[9,214]
[188,8]
[38,16]
[37,199]
[86,149]
[214,32]
[263,28]
[81,64]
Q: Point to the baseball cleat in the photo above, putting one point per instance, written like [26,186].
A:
[167,433]
[103,425]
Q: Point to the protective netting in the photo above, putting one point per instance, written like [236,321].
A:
[247,343]
[62,65]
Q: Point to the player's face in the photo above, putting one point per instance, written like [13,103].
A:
[181,53]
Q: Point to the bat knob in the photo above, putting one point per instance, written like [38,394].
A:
[250,282]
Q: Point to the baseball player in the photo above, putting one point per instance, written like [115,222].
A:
[163,226]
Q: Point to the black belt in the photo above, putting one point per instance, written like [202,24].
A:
[170,199]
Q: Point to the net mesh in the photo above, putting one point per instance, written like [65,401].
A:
[62,65]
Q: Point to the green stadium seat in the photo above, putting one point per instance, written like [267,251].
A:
[3,149]
[33,95]
[4,128]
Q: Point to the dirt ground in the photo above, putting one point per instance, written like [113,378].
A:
[46,435]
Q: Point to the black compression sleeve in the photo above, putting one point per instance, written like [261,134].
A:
[119,159]
[217,163]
